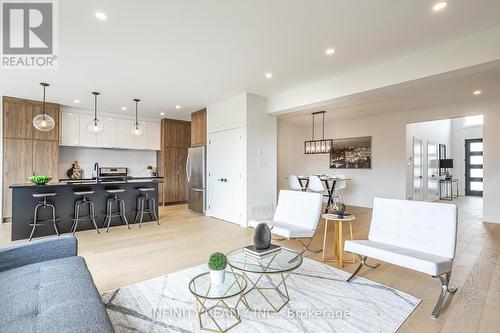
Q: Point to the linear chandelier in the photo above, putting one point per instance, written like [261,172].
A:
[322,146]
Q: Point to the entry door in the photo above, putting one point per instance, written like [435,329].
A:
[474,167]
[432,171]
[417,169]
[225,151]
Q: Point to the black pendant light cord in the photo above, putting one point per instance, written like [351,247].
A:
[95,106]
[136,120]
[44,85]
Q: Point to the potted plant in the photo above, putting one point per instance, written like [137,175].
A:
[217,265]
[149,170]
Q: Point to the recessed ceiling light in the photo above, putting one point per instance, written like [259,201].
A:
[330,51]
[269,75]
[76,101]
[124,108]
[477,92]
[177,106]
[438,6]
[101,16]
[162,113]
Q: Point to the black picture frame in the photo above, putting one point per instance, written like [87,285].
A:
[351,153]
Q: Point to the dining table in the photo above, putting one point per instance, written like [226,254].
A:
[329,182]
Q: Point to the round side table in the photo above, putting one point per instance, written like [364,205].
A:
[338,242]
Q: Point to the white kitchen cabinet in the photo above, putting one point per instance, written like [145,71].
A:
[86,138]
[107,139]
[124,138]
[141,142]
[154,136]
[70,129]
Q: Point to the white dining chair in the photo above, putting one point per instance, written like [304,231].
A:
[294,183]
[315,184]
[339,186]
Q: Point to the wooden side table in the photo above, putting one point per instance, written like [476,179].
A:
[338,242]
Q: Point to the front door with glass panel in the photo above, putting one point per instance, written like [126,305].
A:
[474,167]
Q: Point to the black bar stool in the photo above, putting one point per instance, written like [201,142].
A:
[109,208]
[146,204]
[44,204]
[78,205]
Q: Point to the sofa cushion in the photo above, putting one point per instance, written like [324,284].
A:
[51,296]
[418,261]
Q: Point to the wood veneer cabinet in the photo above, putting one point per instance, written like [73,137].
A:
[199,128]
[171,160]
[27,151]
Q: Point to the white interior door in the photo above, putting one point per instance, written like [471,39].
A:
[432,171]
[417,169]
[225,174]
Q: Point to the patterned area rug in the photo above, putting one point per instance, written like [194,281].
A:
[320,301]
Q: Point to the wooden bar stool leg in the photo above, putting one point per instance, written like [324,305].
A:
[341,246]
[324,239]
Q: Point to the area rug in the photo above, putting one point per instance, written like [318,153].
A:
[320,301]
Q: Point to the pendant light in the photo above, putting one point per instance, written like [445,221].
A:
[322,146]
[95,127]
[43,122]
[137,129]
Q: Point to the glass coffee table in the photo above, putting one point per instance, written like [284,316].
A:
[267,277]
[212,301]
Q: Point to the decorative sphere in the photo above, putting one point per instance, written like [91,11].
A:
[262,236]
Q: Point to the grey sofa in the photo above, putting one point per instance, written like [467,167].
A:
[46,287]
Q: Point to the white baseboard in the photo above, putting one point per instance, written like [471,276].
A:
[491,219]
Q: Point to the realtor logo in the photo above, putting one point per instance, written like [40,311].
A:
[28,32]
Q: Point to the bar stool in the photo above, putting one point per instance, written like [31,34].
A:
[109,208]
[78,205]
[145,204]
[43,204]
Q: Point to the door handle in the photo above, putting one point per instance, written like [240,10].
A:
[224,180]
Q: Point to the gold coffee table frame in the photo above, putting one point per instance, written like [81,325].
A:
[203,298]
[267,266]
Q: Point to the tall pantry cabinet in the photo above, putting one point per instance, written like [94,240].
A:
[27,151]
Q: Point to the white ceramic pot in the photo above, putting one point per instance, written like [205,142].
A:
[217,277]
[149,172]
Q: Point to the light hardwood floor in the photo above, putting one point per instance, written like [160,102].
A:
[183,240]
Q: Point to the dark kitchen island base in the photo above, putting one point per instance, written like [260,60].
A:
[23,205]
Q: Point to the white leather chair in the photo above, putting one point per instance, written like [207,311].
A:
[294,183]
[297,215]
[413,234]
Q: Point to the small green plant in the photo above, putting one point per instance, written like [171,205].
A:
[217,261]
[149,167]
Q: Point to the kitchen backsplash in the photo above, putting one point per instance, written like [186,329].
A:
[135,160]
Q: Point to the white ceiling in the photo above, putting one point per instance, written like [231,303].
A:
[447,89]
[194,53]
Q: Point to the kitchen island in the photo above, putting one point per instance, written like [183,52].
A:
[23,204]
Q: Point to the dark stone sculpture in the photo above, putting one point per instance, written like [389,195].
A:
[262,236]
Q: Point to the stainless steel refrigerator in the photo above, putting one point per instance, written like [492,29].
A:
[196,178]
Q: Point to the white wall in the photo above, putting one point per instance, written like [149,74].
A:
[135,160]
[439,132]
[458,136]
[387,178]
[258,165]
[261,158]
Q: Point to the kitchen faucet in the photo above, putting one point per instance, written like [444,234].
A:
[97,171]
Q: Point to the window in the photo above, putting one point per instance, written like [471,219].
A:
[473,121]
